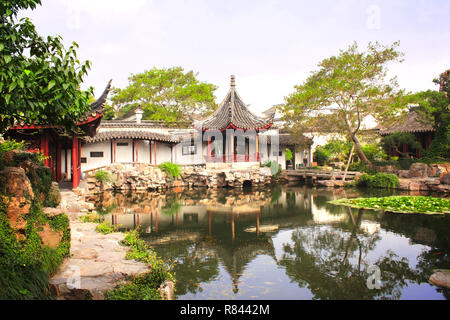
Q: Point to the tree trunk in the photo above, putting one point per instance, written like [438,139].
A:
[360,152]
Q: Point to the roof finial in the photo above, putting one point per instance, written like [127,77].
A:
[233,83]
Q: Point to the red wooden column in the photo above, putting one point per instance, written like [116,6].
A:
[150,151]
[75,178]
[44,149]
[137,150]
[114,150]
[58,162]
[209,150]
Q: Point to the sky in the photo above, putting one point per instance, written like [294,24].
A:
[269,45]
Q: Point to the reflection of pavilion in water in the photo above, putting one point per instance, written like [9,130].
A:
[234,233]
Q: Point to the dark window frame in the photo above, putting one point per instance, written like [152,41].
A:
[190,150]
[96,154]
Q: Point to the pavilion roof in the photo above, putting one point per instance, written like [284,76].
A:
[413,122]
[233,112]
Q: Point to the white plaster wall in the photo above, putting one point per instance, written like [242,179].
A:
[66,175]
[143,151]
[124,153]
[163,152]
[92,163]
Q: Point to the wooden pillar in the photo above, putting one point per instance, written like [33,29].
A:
[75,178]
[44,148]
[257,146]
[133,150]
[209,150]
[156,221]
[114,150]
[137,150]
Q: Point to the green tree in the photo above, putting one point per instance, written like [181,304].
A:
[39,79]
[345,90]
[434,108]
[166,95]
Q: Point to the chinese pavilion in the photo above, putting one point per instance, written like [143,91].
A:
[53,141]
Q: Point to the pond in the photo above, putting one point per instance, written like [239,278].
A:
[285,243]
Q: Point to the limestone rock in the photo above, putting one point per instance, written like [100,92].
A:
[418,170]
[445,178]
[50,237]
[14,181]
[441,278]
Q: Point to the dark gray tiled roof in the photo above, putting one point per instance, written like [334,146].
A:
[413,122]
[132,134]
[234,111]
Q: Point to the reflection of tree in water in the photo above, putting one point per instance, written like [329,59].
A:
[195,261]
[432,231]
[333,264]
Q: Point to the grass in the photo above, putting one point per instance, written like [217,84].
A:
[400,204]
[145,286]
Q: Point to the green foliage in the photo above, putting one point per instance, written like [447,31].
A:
[26,265]
[374,152]
[333,150]
[166,95]
[400,204]
[90,217]
[105,228]
[357,166]
[378,180]
[321,155]
[144,287]
[103,176]
[172,169]
[347,88]
[288,154]
[393,141]
[40,79]
[9,145]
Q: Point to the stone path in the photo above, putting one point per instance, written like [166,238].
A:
[97,262]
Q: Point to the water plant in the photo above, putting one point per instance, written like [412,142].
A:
[400,204]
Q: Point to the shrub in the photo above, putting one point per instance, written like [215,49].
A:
[143,287]
[26,265]
[288,154]
[172,169]
[321,155]
[378,180]
[105,228]
[374,152]
[103,176]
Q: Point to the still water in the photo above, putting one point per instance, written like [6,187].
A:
[285,243]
